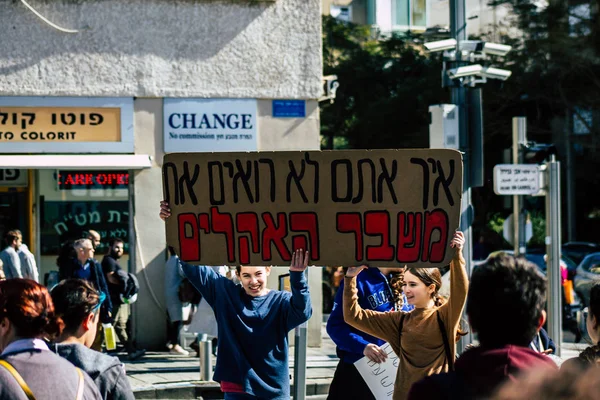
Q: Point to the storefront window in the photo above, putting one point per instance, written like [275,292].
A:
[73,202]
[69,220]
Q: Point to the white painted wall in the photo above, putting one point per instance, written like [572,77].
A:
[163,48]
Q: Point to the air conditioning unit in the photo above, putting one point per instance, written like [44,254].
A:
[443,126]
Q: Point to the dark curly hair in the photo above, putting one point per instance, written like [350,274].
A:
[591,355]
[74,299]
[505,301]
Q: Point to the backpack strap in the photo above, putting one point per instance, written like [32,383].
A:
[446,342]
[80,385]
[400,329]
[18,378]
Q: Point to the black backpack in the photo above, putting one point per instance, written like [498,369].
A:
[132,286]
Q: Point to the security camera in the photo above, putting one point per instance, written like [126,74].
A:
[496,49]
[471,45]
[441,45]
[467,70]
[496,73]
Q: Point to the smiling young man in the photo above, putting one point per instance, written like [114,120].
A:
[253,324]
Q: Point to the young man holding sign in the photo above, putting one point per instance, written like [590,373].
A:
[253,325]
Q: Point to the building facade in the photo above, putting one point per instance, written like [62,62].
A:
[90,89]
[418,15]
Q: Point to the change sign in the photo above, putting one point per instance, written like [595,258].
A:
[385,207]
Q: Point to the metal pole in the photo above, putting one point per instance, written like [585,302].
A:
[553,243]
[300,343]
[300,362]
[205,358]
[519,138]
[570,179]
[458,95]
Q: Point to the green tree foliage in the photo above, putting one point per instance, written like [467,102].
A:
[385,88]
[556,84]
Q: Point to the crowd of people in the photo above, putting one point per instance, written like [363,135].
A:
[504,300]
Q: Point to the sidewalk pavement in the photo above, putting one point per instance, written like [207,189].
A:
[161,375]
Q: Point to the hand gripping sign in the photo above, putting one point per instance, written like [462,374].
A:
[387,207]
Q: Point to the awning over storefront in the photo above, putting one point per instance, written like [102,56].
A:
[68,161]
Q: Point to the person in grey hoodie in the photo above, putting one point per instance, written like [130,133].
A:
[77,303]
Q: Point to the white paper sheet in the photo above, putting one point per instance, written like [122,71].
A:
[380,377]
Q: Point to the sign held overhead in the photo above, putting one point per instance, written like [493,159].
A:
[385,207]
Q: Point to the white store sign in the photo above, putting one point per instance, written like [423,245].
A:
[516,179]
[13,177]
[210,125]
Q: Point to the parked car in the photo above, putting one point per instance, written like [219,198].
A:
[588,274]
[536,256]
[578,250]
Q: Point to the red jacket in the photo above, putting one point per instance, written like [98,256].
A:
[479,372]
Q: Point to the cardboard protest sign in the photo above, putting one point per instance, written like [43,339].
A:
[383,207]
[380,377]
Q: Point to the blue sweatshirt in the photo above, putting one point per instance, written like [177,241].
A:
[374,293]
[253,331]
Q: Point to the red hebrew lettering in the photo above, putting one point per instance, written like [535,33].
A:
[410,226]
[247,222]
[436,220]
[377,223]
[275,234]
[306,222]
[244,246]
[223,223]
[204,223]
[352,223]
[189,246]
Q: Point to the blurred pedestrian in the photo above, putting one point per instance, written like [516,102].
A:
[77,303]
[116,281]
[28,369]
[175,305]
[85,267]
[591,355]
[10,257]
[28,265]
[94,237]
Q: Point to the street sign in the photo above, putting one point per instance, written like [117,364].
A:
[516,179]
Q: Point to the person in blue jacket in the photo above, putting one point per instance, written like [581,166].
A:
[253,325]
[374,293]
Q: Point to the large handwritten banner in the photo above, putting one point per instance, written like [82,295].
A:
[385,207]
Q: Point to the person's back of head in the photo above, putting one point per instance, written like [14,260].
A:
[591,355]
[505,304]
[29,309]
[12,236]
[66,253]
[74,301]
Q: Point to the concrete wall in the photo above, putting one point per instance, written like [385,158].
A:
[162,48]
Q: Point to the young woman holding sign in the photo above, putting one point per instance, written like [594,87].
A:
[253,324]
[423,339]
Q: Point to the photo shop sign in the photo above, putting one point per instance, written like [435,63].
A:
[385,207]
